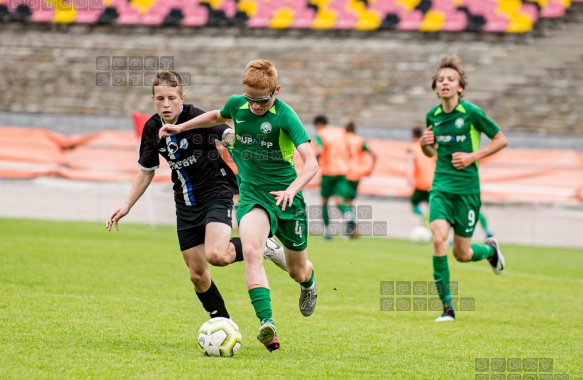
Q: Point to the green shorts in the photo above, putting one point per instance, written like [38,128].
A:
[419,196]
[290,226]
[460,210]
[351,189]
[334,185]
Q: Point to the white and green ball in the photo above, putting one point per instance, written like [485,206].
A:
[219,337]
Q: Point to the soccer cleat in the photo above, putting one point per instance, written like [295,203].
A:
[274,252]
[268,336]
[496,261]
[447,316]
[308,298]
[327,233]
[350,229]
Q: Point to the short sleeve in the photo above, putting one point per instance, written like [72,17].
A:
[293,127]
[484,124]
[149,158]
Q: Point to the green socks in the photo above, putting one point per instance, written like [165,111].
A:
[261,302]
[310,282]
[481,252]
[441,277]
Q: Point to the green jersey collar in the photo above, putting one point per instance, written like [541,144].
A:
[459,108]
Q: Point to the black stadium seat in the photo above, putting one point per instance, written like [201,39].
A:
[5,15]
[174,17]
[108,16]
[22,13]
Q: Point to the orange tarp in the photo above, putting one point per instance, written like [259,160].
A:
[532,175]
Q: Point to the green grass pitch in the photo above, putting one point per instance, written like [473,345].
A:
[77,301]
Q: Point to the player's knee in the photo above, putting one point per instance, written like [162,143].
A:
[461,254]
[253,255]
[199,278]
[439,239]
[216,257]
[298,274]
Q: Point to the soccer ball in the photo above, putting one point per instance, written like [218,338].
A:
[219,337]
[421,235]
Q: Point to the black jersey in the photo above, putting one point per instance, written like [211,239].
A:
[198,171]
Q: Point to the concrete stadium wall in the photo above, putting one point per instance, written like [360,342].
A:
[380,80]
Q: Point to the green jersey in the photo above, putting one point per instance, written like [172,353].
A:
[264,144]
[458,131]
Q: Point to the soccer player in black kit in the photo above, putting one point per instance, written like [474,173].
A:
[203,190]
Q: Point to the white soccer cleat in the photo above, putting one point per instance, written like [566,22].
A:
[274,252]
[496,261]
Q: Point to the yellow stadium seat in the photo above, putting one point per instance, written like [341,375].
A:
[542,3]
[142,5]
[409,4]
[509,7]
[107,3]
[248,6]
[368,20]
[519,23]
[320,3]
[64,17]
[64,11]
[213,3]
[356,6]
[433,21]
[325,19]
[282,19]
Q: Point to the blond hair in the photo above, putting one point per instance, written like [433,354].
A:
[455,63]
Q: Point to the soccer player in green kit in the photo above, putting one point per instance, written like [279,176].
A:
[271,202]
[453,133]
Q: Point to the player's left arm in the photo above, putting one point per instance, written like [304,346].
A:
[462,160]
[310,169]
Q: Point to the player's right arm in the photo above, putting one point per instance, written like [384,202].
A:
[206,120]
[139,186]
[427,142]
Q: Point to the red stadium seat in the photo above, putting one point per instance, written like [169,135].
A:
[410,21]
[195,15]
[455,21]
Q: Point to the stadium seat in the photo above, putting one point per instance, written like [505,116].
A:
[531,10]
[195,15]
[390,21]
[144,5]
[108,16]
[155,15]
[22,13]
[88,16]
[304,18]
[173,18]
[410,21]
[261,18]
[519,23]
[5,14]
[282,19]
[345,20]
[229,7]
[248,6]
[433,21]
[496,23]
[65,13]
[325,19]
[554,9]
[409,4]
[368,20]
[128,15]
[455,21]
